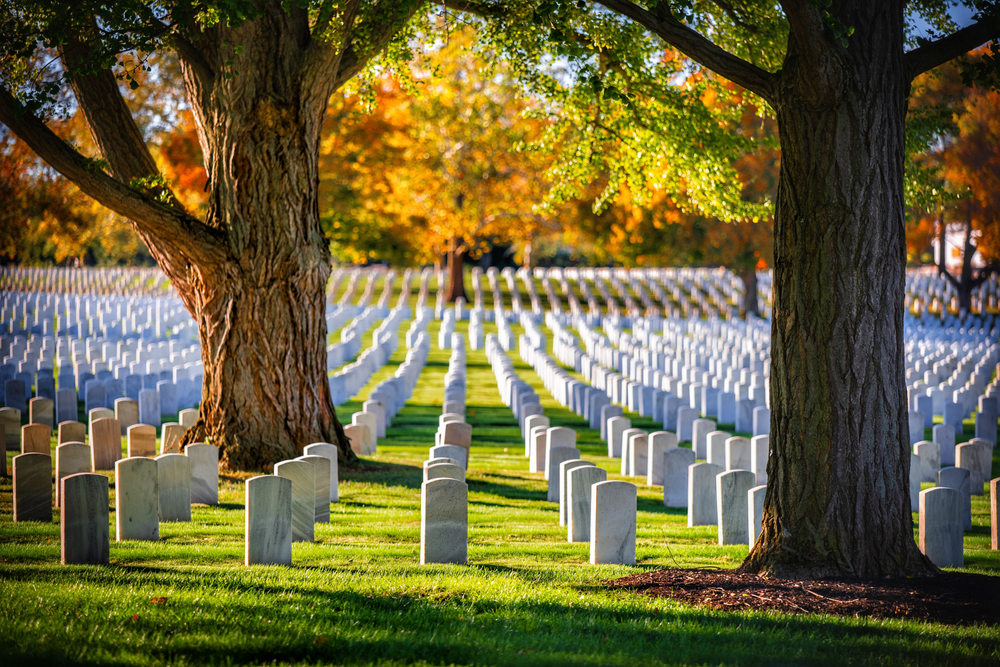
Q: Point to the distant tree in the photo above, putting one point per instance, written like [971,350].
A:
[960,175]
[436,167]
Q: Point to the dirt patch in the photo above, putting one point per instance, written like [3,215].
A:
[953,598]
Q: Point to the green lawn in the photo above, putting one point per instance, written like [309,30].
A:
[359,596]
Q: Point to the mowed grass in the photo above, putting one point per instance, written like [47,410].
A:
[358,595]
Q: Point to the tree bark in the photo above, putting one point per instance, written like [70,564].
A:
[837,501]
[262,316]
[749,306]
[456,274]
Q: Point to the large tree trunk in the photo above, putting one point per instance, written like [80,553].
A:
[456,274]
[749,306]
[261,316]
[837,501]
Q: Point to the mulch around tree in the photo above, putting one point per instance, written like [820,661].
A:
[953,598]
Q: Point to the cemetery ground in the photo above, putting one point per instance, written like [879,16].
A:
[359,596]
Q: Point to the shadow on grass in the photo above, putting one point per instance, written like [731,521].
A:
[451,625]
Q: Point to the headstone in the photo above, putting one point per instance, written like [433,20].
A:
[636,459]
[531,423]
[702,505]
[141,440]
[105,444]
[977,458]
[98,413]
[84,519]
[986,422]
[941,526]
[616,427]
[755,512]
[11,421]
[579,481]
[659,443]
[676,462]
[188,417]
[168,398]
[137,499]
[451,452]
[173,474]
[744,415]
[71,458]
[564,469]
[537,440]
[67,409]
[558,436]
[761,421]
[554,458]
[149,407]
[613,523]
[739,454]
[944,436]
[16,395]
[457,433]
[444,521]
[170,438]
[303,476]
[715,447]
[685,424]
[608,412]
[958,479]
[930,459]
[731,490]
[36,438]
[328,451]
[699,437]
[205,473]
[32,487]
[322,472]
[356,436]
[127,413]
[759,446]
[268,521]
[378,409]
[96,396]
[72,432]
[41,412]
[916,474]
[916,426]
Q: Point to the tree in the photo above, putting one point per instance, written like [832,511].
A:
[963,164]
[836,75]
[664,233]
[435,168]
[253,271]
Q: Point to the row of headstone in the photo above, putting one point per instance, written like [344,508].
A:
[349,380]
[285,507]
[147,492]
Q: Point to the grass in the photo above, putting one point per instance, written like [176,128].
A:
[358,596]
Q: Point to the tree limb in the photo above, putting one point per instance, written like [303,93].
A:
[194,239]
[938,52]
[944,271]
[806,26]
[735,17]
[697,47]
[110,121]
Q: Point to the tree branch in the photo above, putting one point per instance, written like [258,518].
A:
[194,239]
[938,52]
[697,47]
